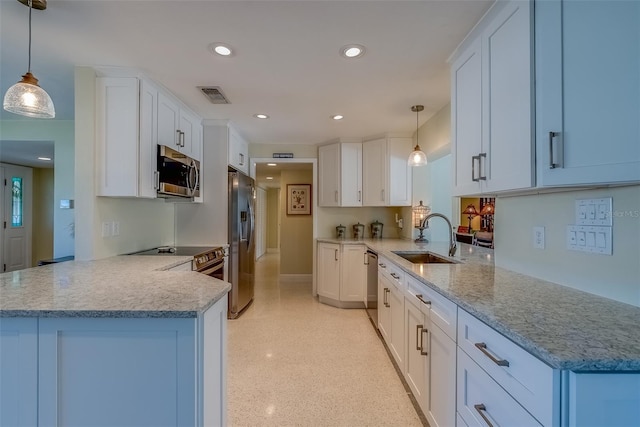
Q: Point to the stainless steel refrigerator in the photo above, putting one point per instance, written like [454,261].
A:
[241,242]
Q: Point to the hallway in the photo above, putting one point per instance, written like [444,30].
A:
[294,361]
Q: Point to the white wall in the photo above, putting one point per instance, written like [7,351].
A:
[204,224]
[143,223]
[432,183]
[62,133]
[616,277]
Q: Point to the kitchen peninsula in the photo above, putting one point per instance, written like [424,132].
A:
[529,351]
[121,340]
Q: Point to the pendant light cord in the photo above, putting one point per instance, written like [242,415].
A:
[30,8]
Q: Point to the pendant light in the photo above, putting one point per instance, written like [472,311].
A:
[417,157]
[26,97]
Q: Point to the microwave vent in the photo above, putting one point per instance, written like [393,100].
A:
[214,94]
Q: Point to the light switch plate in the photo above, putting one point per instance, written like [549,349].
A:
[593,239]
[538,237]
[115,228]
[594,211]
[106,229]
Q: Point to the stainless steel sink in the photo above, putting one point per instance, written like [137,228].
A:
[424,258]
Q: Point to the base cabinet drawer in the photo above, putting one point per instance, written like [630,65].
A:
[534,384]
[482,402]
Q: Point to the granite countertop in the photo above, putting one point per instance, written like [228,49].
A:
[122,286]
[564,327]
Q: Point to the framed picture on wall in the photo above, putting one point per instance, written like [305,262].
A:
[298,199]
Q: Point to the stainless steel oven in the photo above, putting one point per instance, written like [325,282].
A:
[211,263]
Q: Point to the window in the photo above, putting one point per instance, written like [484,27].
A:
[16,202]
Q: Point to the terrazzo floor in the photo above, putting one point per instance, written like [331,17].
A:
[294,361]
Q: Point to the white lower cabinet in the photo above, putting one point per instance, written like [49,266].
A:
[417,353]
[430,368]
[482,402]
[18,372]
[391,312]
[441,394]
[114,371]
[530,381]
[342,274]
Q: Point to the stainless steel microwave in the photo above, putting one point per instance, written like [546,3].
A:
[177,175]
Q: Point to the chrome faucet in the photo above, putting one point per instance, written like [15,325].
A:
[452,240]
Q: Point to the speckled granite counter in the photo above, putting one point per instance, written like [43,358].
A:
[123,286]
[564,327]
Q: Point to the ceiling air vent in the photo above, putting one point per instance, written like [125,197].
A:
[214,94]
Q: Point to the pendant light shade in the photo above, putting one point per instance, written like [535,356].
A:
[417,156]
[26,97]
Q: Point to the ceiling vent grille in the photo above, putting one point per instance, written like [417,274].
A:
[214,94]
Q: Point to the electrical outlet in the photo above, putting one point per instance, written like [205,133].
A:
[106,229]
[115,228]
[538,237]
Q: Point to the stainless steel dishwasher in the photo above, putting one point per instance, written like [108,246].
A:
[371,302]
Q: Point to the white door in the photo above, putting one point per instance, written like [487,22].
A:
[16,217]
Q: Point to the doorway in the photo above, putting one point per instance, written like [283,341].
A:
[292,235]
[16,209]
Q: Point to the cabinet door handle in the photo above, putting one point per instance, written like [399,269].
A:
[366,259]
[359,195]
[335,254]
[418,338]
[481,410]
[424,352]
[241,159]
[335,196]
[156,177]
[473,168]
[480,163]
[395,276]
[177,141]
[552,136]
[483,348]
[424,301]
[382,194]
[386,298]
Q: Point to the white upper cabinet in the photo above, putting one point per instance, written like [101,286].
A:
[238,151]
[340,174]
[133,116]
[491,103]
[587,92]
[178,128]
[117,109]
[386,175]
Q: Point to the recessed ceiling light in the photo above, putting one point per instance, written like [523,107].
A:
[260,116]
[221,49]
[269,177]
[337,117]
[46,159]
[272,164]
[352,51]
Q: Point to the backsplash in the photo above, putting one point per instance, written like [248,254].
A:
[329,218]
[615,276]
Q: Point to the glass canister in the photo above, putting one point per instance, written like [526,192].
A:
[358,231]
[341,231]
[376,230]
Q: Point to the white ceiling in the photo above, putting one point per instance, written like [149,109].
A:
[287,63]
[26,153]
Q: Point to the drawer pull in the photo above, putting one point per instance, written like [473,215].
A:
[481,410]
[424,352]
[483,348]
[418,337]
[395,276]
[424,301]
[383,265]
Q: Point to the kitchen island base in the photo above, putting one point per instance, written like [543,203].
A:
[114,371]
